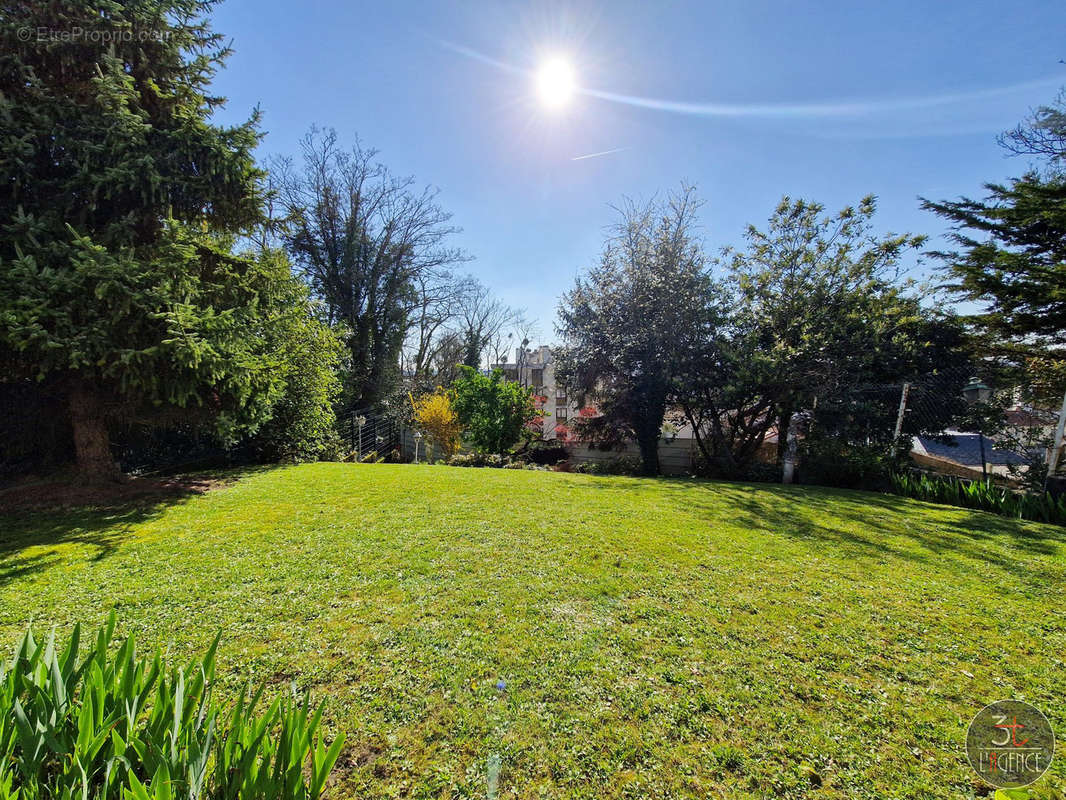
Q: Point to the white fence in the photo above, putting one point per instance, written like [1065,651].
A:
[675,458]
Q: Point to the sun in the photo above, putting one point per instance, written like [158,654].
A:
[555,83]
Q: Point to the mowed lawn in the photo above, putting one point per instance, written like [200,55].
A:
[658,638]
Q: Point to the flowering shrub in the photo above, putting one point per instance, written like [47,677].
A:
[434,414]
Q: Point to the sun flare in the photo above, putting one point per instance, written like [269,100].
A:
[555,83]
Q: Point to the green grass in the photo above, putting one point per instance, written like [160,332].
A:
[659,638]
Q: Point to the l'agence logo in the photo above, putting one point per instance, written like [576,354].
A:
[1010,743]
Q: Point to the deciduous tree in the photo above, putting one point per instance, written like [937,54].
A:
[817,310]
[493,412]
[372,247]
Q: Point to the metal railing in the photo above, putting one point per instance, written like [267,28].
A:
[373,433]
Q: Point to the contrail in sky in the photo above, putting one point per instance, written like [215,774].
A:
[601,153]
[484,59]
[843,109]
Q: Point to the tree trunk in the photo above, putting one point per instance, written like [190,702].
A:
[92,445]
[649,453]
[783,417]
[788,464]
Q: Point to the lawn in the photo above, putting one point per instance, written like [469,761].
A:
[658,638]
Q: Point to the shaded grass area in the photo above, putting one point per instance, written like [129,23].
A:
[659,638]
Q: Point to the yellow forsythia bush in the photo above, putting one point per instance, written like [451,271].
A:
[434,414]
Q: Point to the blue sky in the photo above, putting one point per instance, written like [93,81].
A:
[748,100]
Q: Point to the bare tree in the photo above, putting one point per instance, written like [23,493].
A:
[483,318]
[446,358]
[522,330]
[369,245]
[433,319]
[1043,134]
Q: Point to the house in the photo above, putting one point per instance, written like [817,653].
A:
[535,368]
[1025,438]
[957,453]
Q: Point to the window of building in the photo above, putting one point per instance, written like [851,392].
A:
[538,377]
[560,412]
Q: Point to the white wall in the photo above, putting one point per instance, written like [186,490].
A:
[676,458]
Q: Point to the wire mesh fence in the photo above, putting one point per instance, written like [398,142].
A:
[949,422]
[956,424]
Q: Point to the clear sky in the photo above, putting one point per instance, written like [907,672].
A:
[748,99]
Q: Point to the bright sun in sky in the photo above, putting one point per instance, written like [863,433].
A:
[555,83]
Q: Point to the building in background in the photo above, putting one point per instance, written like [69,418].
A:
[535,369]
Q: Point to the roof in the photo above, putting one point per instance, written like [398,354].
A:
[1029,418]
[965,449]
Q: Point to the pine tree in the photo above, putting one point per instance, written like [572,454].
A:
[1011,255]
[118,287]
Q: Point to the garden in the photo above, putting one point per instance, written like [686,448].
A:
[575,636]
[238,377]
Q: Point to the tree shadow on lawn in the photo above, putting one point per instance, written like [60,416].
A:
[100,520]
[879,525]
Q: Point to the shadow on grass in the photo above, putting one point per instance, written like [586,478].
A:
[100,521]
[875,525]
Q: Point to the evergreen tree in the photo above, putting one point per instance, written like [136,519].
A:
[118,287]
[630,329]
[1012,260]
[1011,255]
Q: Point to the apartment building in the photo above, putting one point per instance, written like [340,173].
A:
[535,368]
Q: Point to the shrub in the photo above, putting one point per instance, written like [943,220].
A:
[493,412]
[618,465]
[831,462]
[302,424]
[477,460]
[752,472]
[523,465]
[545,453]
[116,724]
[434,414]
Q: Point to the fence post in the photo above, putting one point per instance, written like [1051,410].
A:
[360,421]
[899,416]
[1053,455]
